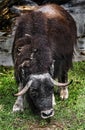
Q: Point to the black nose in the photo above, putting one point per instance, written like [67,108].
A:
[47,113]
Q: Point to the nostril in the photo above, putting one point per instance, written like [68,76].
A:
[47,113]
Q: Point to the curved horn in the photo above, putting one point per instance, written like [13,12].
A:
[25,89]
[61,84]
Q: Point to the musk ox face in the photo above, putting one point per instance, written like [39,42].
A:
[39,92]
[41,95]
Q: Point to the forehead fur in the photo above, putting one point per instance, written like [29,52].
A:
[40,76]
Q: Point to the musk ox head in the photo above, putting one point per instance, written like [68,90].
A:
[39,90]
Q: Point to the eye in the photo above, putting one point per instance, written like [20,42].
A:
[49,84]
[34,93]
[51,87]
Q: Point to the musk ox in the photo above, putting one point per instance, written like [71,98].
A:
[42,51]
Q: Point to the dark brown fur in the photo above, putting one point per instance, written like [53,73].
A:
[52,35]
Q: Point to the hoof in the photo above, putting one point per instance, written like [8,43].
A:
[18,108]
[64,93]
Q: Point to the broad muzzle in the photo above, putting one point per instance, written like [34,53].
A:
[47,113]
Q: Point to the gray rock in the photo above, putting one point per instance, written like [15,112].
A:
[77,9]
[5,50]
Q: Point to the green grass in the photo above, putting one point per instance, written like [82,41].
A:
[69,114]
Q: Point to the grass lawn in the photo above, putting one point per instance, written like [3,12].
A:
[69,114]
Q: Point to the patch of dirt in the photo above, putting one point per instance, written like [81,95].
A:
[51,126]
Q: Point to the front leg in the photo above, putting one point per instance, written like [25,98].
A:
[63,91]
[19,106]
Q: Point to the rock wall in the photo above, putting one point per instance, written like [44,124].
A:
[77,9]
[5,50]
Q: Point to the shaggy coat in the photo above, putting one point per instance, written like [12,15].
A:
[52,37]
[43,46]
